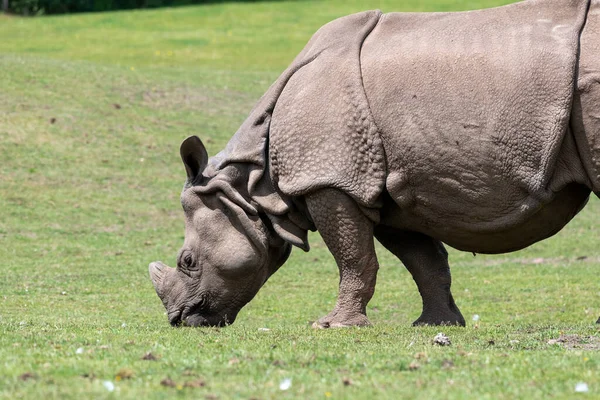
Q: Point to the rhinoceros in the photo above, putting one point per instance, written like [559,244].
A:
[477,129]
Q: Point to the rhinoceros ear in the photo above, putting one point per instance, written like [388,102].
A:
[194,157]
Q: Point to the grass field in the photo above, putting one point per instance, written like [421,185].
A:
[92,111]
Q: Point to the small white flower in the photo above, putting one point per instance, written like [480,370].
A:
[109,385]
[285,384]
[79,350]
[476,317]
[581,387]
[123,325]
[263,329]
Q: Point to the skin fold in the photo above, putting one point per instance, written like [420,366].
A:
[478,129]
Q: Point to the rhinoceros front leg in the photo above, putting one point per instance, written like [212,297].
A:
[348,234]
[427,261]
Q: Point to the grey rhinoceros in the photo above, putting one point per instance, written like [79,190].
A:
[477,129]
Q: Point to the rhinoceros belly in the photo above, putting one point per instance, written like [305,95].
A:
[479,228]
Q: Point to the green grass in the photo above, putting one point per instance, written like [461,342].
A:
[92,111]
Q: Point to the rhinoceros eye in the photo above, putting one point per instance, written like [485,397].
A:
[186,260]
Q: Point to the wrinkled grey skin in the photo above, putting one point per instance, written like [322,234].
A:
[477,129]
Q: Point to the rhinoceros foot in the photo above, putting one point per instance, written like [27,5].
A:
[441,313]
[438,319]
[337,320]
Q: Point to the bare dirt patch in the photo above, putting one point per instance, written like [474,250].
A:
[168,382]
[578,342]
[27,376]
[149,357]
[198,383]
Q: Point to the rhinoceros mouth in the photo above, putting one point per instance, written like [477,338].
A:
[193,317]
[196,320]
[175,318]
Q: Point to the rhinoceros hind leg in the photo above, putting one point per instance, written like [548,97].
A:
[348,234]
[427,261]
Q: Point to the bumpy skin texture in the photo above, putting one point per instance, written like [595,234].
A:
[476,129]
[323,134]
[473,109]
[348,234]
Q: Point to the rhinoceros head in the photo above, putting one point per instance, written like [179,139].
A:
[228,254]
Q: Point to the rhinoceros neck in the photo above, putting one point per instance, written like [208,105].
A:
[250,186]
